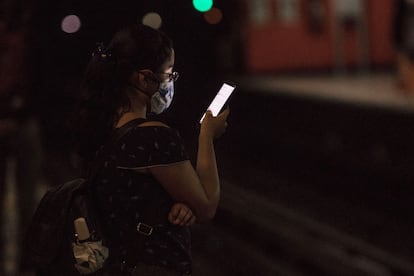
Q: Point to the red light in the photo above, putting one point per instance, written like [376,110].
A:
[213,16]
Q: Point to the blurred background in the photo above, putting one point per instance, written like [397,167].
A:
[317,164]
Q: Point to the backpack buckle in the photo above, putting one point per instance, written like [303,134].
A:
[144,229]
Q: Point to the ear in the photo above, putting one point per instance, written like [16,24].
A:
[148,82]
[142,81]
[144,78]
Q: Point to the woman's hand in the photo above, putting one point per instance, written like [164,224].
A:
[181,215]
[214,126]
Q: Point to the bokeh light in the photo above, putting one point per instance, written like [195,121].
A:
[203,5]
[213,16]
[152,19]
[71,24]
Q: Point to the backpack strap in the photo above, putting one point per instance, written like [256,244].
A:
[116,135]
[124,129]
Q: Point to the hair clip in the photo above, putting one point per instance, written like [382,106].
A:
[101,51]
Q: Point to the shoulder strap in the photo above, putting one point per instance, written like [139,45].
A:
[117,134]
[124,129]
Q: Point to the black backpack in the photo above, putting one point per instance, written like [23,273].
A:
[49,237]
[48,242]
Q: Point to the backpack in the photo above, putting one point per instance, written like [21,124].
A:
[51,237]
[51,244]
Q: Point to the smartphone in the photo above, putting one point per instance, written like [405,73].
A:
[220,99]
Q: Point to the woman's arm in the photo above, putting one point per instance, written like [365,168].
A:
[200,188]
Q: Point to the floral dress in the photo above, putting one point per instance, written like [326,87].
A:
[127,198]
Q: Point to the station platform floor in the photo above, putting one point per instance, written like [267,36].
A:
[373,89]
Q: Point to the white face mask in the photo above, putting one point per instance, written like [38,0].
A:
[162,99]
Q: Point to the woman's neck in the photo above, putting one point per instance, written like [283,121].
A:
[138,109]
[129,116]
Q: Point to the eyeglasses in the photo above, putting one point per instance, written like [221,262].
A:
[171,76]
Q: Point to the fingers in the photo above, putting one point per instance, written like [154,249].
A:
[186,218]
[221,118]
[181,215]
[173,213]
[214,127]
[225,112]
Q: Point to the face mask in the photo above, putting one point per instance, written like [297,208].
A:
[162,99]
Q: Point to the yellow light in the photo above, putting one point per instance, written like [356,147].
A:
[152,19]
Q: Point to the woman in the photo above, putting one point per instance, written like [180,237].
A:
[148,192]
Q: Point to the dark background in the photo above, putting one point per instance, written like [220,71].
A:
[310,186]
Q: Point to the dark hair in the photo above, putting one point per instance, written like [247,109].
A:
[104,87]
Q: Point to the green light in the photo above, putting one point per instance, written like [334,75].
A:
[202,5]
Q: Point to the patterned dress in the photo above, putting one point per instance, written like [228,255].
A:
[127,198]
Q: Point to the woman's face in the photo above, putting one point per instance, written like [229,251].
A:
[152,80]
